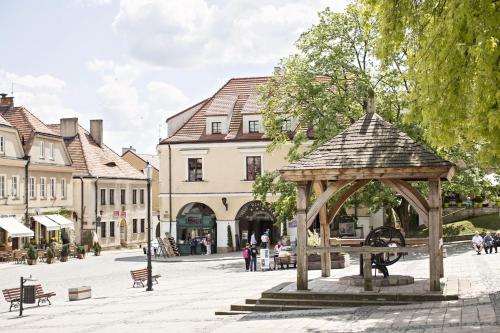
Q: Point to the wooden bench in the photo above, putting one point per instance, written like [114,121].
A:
[141,275]
[289,260]
[13,295]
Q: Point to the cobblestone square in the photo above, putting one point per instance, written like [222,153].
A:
[189,292]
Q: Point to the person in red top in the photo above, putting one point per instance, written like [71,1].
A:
[246,256]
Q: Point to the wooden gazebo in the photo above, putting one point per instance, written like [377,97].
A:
[369,149]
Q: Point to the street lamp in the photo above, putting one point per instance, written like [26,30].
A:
[149,172]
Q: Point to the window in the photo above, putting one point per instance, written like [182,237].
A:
[111,196]
[286,125]
[51,151]
[103,196]
[253,126]
[142,225]
[14,189]
[112,229]
[142,197]
[63,188]
[2,186]
[122,196]
[134,196]
[32,191]
[216,127]
[42,187]
[134,226]
[52,188]
[2,144]
[42,149]
[253,167]
[195,169]
[103,229]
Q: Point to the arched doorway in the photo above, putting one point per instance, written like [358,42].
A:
[123,232]
[196,221]
[254,216]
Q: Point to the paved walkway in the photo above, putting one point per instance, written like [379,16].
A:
[190,292]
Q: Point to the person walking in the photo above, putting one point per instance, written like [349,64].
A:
[203,246]
[496,241]
[246,256]
[488,242]
[209,245]
[253,255]
[253,241]
[192,245]
[477,242]
[264,240]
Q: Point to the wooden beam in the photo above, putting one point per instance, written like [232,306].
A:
[343,198]
[323,197]
[367,272]
[424,248]
[324,232]
[302,198]
[357,241]
[413,197]
[435,241]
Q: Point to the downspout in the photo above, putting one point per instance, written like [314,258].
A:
[170,189]
[96,180]
[81,209]
[26,189]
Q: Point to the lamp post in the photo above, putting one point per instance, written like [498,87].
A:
[149,171]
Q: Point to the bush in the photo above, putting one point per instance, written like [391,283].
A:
[32,254]
[97,247]
[229,236]
[50,253]
[80,249]
[65,250]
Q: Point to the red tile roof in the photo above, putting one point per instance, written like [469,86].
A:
[236,96]
[90,159]
[4,122]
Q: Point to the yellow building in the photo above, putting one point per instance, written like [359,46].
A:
[213,152]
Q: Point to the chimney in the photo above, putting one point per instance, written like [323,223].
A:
[68,127]
[96,131]
[124,150]
[6,101]
[370,103]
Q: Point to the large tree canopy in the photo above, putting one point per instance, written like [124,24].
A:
[453,54]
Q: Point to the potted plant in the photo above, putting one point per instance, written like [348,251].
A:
[64,253]
[97,249]
[50,255]
[80,251]
[32,256]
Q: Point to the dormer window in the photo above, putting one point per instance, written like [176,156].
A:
[2,144]
[51,151]
[253,126]
[216,127]
[42,149]
[286,125]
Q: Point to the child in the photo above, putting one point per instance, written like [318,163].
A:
[253,254]
[246,256]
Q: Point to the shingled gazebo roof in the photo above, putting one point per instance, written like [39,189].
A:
[369,148]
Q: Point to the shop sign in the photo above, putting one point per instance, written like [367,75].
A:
[292,223]
[193,220]
[123,214]
[116,214]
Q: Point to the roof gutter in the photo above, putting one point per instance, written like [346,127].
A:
[26,189]
[170,189]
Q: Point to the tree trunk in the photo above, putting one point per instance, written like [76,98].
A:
[403,212]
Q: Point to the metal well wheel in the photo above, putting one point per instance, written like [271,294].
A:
[385,237]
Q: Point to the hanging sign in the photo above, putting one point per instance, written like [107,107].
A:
[116,214]
[123,214]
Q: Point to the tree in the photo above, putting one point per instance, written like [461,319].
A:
[453,54]
[229,237]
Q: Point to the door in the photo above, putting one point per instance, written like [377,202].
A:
[123,232]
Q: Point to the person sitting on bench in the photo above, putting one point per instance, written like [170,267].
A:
[477,243]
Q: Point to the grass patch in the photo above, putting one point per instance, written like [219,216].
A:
[467,227]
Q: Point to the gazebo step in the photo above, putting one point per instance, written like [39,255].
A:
[382,297]
[325,303]
[270,307]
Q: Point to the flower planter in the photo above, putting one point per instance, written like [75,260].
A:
[64,259]
[338,261]
[81,255]
[50,260]
[31,261]
[97,253]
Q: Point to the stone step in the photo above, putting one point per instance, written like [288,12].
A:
[270,308]
[364,296]
[231,313]
[323,303]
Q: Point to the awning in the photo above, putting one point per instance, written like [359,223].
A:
[61,220]
[14,228]
[48,223]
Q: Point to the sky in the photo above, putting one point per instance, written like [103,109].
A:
[134,63]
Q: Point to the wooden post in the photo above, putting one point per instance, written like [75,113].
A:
[302,198]
[435,241]
[367,272]
[324,233]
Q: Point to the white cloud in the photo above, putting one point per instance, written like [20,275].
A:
[127,109]
[92,3]
[193,33]
[42,95]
